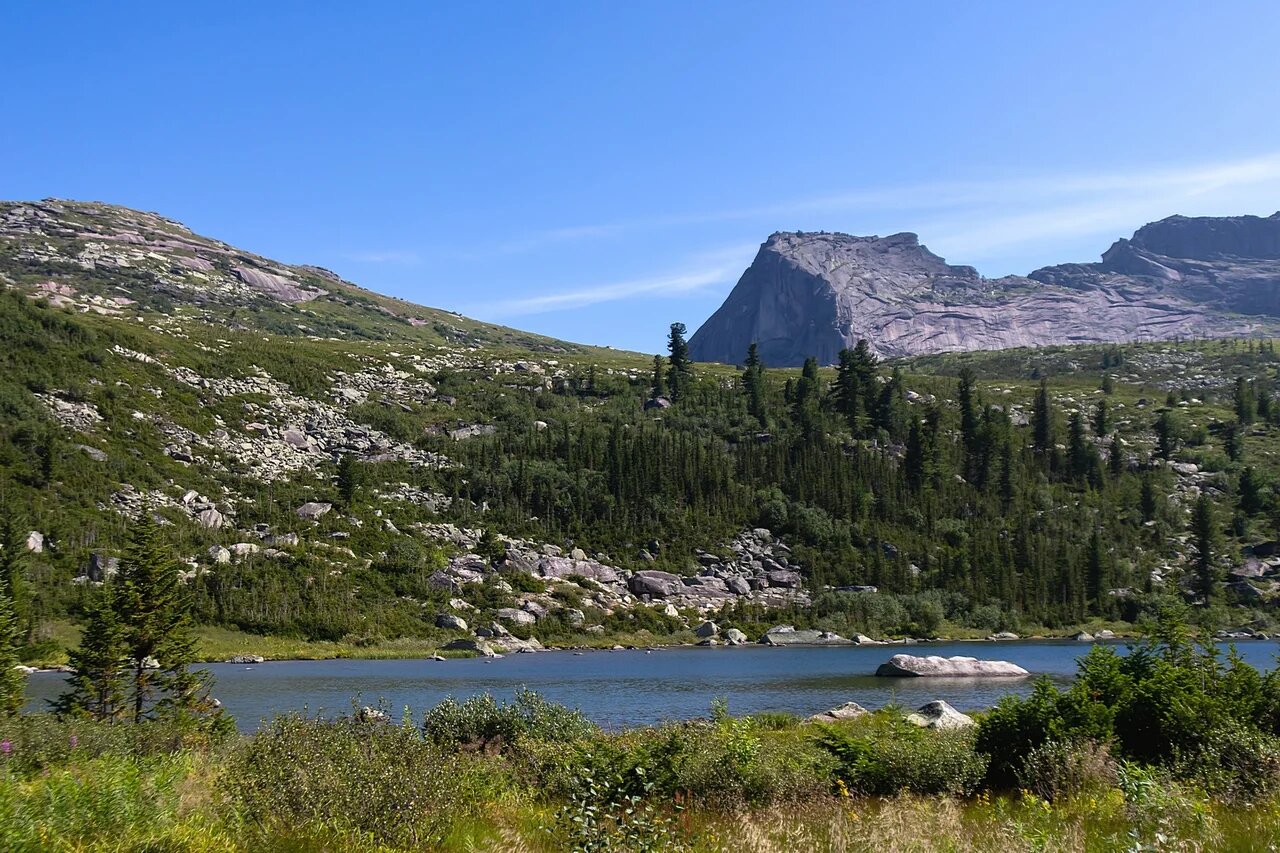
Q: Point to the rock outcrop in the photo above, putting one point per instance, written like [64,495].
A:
[813,294]
[935,666]
[939,715]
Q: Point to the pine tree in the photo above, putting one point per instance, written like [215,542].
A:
[1245,404]
[1097,576]
[151,610]
[348,480]
[1115,458]
[1042,421]
[1204,536]
[913,462]
[680,373]
[658,384]
[1250,492]
[100,666]
[805,407]
[1148,499]
[1102,419]
[753,384]
[12,681]
[1168,435]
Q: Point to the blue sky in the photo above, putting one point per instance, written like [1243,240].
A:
[595,171]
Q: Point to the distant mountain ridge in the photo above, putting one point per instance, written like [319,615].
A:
[815,293]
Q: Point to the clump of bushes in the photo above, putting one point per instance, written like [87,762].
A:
[484,724]
[356,774]
[1167,704]
[884,755]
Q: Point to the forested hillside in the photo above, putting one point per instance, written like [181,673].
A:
[382,481]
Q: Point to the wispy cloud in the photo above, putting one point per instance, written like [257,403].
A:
[1013,210]
[715,268]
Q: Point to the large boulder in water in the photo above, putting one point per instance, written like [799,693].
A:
[935,666]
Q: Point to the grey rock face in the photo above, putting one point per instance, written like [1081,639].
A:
[813,294]
[914,666]
[313,510]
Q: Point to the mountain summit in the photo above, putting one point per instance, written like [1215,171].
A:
[815,293]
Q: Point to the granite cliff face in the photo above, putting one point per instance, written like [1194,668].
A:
[813,294]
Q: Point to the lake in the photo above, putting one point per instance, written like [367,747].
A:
[636,687]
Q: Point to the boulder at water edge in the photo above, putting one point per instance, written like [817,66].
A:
[913,666]
[847,711]
[939,715]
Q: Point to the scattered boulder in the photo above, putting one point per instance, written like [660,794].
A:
[787,635]
[734,637]
[218,554]
[847,711]
[707,629]
[100,568]
[450,622]
[939,715]
[654,583]
[369,714]
[480,647]
[1083,637]
[312,510]
[935,666]
[1105,634]
[658,403]
[210,519]
[35,542]
[1003,635]
[516,617]
[246,659]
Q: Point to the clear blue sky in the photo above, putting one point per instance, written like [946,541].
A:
[596,171]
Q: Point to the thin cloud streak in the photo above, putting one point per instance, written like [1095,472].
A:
[711,269]
[1181,183]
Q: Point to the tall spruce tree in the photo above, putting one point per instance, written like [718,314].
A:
[658,384]
[99,678]
[1042,421]
[152,611]
[680,373]
[12,681]
[805,407]
[753,384]
[1205,536]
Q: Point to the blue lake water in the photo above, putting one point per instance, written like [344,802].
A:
[635,687]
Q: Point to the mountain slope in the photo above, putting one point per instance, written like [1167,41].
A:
[813,294]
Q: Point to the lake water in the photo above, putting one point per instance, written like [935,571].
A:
[632,687]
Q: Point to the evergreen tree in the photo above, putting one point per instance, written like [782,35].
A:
[753,384]
[1250,492]
[12,681]
[1108,384]
[1115,458]
[348,480]
[1097,575]
[913,462]
[13,585]
[1264,405]
[970,441]
[100,666]
[805,407]
[1245,404]
[1102,419]
[1168,434]
[856,393]
[658,384]
[680,373]
[1042,421]
[1233,443]
[152,613]
[1148,499]
[891,410]
[1204,536]
[1079,450]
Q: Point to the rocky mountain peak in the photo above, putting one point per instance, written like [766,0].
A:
[815,293]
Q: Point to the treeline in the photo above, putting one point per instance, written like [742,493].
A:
[1045,513]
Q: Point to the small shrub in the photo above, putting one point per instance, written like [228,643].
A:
[352,774]
[481,723]
[1059,769]
[886,755]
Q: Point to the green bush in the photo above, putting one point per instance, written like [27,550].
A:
[40,742]
[884,755]
[481,723]
[354,774]
[1060,769]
